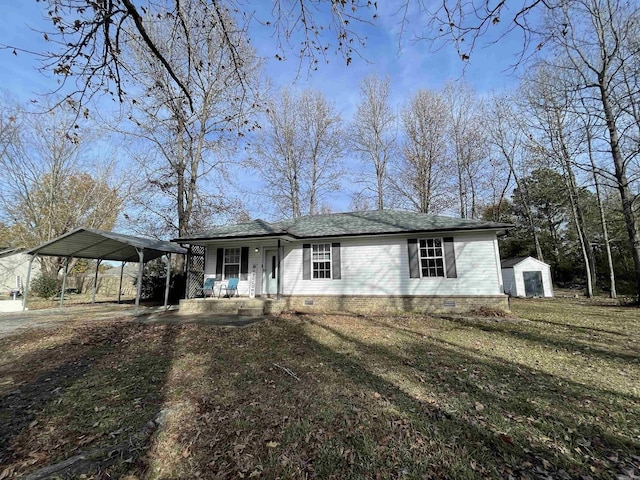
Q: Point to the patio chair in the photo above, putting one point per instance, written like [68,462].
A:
[208,287]
[231,288]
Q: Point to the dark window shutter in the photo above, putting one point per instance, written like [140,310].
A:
[244,263]
[450,257]
[306,261]
[336,272]
[219,261]
[414,260]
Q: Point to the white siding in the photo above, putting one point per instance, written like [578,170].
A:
[376,266]
[16,265]
[380,266]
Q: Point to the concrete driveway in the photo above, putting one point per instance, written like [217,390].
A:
[14,322]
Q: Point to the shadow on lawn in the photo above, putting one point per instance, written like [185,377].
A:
[107,384]
[536,410]
[420,408]
[573,344]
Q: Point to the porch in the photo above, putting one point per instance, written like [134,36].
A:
[242,306]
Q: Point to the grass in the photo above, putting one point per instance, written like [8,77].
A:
[552,392]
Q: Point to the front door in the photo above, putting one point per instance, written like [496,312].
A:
[533,284]
[271,272]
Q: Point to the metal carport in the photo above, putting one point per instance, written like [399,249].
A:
[100,245]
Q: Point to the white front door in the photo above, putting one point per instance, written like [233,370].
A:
[271,272]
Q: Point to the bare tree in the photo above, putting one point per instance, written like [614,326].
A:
[187,133]
[468,145]
[601,45]
[373,133]
[419,176]
[588,130]
[48,188]
[508,137]
[554,137]
[324,146]
[299,152]
[90,39]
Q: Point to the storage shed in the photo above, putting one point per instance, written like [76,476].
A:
[526,277]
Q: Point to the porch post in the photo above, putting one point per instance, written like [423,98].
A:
[187,273]
[64,281]
[139,289]
[278,278]
[25,294]
[120,286]
[166,287]
[95,282]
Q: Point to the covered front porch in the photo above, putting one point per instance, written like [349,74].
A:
[254,267]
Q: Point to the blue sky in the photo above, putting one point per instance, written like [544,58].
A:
[410,65]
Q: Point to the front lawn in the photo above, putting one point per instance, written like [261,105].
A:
[553,392]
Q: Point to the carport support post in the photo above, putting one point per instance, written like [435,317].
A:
[120,286]
[25,294]
[166,287]
[140,268]
[95,281]
[64,281]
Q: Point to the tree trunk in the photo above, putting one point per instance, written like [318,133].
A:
[603,221]
[576,210]
[626,196]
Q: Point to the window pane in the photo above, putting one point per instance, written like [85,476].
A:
[431,257]
[231,271]
[321,260]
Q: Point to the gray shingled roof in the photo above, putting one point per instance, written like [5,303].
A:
[346,224]
[511,262]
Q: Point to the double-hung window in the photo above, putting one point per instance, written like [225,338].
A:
[231,267]
[321,260]
[432,257]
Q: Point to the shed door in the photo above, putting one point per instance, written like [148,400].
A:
[533,284]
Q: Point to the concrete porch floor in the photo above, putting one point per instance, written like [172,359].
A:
[242,306]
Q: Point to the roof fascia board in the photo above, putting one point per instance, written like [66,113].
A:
[228,239]
[294,238]
[406,232]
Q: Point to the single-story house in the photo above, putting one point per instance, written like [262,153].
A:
[526,277]
[14,263]
[386,260]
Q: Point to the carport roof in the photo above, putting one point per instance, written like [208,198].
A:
[91,243]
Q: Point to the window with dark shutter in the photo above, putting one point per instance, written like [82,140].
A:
[431,257]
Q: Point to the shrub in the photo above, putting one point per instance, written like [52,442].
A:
[154,278]
[46,287]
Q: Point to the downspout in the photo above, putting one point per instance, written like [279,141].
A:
[26,286]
